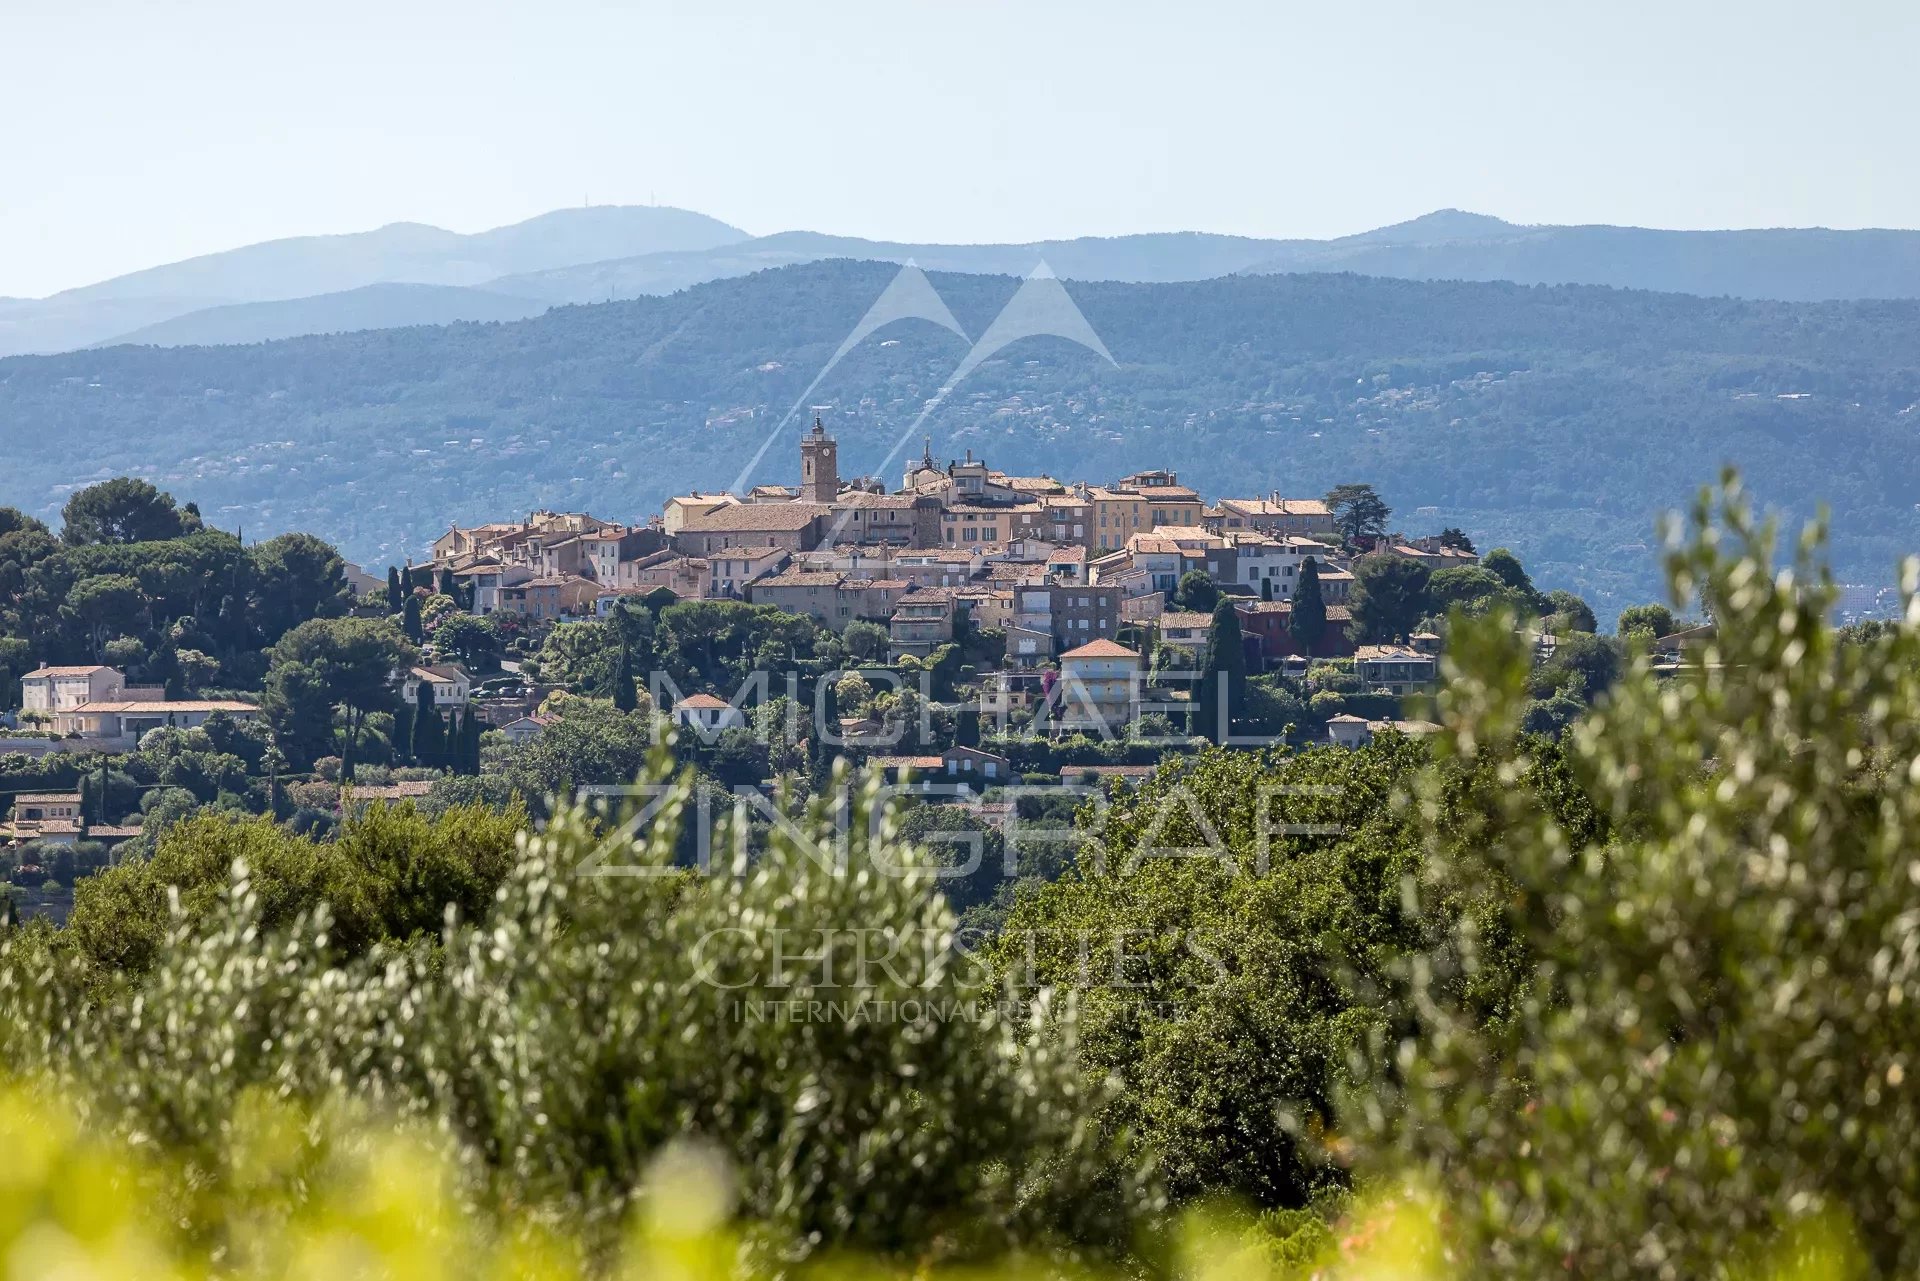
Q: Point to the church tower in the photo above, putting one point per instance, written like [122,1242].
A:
[819,466]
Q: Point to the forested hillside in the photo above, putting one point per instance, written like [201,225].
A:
[1556,420]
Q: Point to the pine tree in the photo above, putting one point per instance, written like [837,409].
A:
[393,589]
[1223,676]
[1309,622]
[410,620]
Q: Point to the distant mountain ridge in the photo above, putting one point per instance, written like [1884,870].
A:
[1788,264]
[304,267]
[602,254]
[383,306]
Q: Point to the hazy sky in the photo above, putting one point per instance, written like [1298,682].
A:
[134,132]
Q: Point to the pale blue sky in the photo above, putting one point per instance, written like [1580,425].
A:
[134,132]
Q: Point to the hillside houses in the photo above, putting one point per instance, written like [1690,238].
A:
[1273,515]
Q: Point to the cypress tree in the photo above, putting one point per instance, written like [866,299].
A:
[1266,589]
[473,742]
[410,620]
[1309,622]
[827,722]
[432,747]
[624,696]
[403,734]
[446,586]
[966,726]
[423,722]
[393,589]
[1223,676]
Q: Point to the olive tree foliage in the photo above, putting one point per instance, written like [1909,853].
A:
[1231,926]
[805,1013]
[1713,1053]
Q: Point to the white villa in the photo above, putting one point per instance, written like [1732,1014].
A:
[96,703]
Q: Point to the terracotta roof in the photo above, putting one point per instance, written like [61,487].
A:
[438,672]
[552,580]
[801,578]
[1404,727]
[702,702]
[391,791]
[1066,555]
[756,516]
[1101,649]
[108,832]
[1277,507]
[1185,618]
[1390,654]
[1108,771]
[66,671]
[907,762]
[47,798]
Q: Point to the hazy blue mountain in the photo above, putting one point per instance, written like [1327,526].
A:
[305,266]
[370,307]
[63,323]
[1157,257]
[1558,420]
[604,254]
[1794,264]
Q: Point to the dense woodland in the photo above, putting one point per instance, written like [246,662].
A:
[1557,420]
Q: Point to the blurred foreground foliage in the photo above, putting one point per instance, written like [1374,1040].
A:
[1638,1003]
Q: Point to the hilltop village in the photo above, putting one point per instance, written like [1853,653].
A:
[1064,571]
[966,628]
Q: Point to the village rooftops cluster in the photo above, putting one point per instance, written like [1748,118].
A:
[1056,565]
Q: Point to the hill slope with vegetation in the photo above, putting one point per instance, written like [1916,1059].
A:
[1555,420]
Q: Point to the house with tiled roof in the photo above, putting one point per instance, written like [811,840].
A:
[795,526]
[527,728]
[1395,669]
[959,764]
[452,686]
[45,816]
[707,715]
[1099,689]
[1185,629]
[733,570]
[1270,624]
[1272,515]
[551,596]
[48,690]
